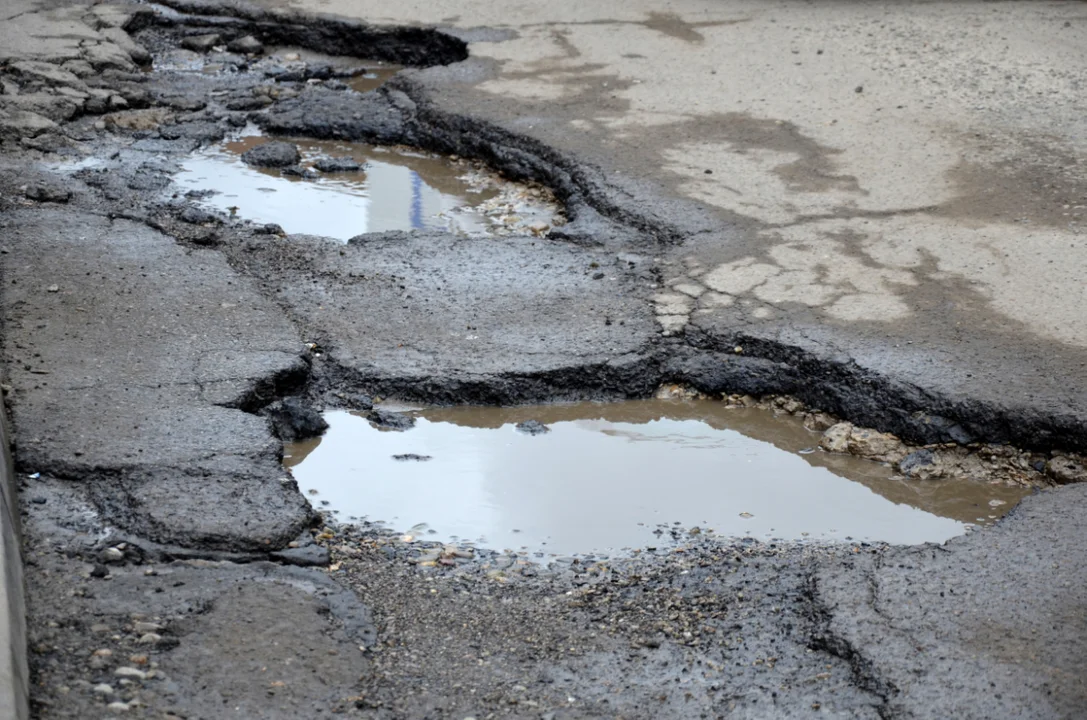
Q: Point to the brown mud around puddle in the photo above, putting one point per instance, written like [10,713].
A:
[607,477]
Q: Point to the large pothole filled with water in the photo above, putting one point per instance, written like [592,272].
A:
[607,477]
[342,189]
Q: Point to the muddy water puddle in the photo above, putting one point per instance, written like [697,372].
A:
[372,77]
[623,475]
[391,189]
[283,64]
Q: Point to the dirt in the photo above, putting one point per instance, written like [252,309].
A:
[142,347]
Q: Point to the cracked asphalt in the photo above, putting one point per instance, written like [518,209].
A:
[880,206]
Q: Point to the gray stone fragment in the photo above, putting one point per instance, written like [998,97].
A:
[836,438]
[340,164]
[247,45]
[57,108]
[272,154]
[200,43]
[301,172]
[912,463]
[45,192]
[107,56]
[46,73]
[124,41]
[1065,470]
[390,420]
[16,123]
[293,420]
[198,216]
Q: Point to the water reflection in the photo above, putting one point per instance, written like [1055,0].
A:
[393,190]
[607,474]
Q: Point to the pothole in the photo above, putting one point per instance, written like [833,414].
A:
[623,475]
[279,64]
[343,189]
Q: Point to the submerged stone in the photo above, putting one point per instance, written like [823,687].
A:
[533,427]
[300,172]
[338,164]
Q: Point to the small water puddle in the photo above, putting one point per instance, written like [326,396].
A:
[609,476]
[372,77]
[393,189]
[361,75]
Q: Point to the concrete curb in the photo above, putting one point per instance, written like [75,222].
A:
[14,673]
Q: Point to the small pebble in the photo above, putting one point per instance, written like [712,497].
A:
[130,672]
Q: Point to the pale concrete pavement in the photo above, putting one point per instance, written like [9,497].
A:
[878,146]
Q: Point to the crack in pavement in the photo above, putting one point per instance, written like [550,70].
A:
[167,473]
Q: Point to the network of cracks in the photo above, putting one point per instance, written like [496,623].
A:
[385,250]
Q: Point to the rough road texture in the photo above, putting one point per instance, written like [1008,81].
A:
[137,346]
[146,341]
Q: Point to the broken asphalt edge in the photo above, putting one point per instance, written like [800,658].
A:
[14,672]
[403,112]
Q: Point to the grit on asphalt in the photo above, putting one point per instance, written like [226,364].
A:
[872,209]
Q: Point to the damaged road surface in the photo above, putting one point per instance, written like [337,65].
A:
[161,345]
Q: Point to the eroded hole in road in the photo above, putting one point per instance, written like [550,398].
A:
[280,64]
[623,475]
[365,189]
